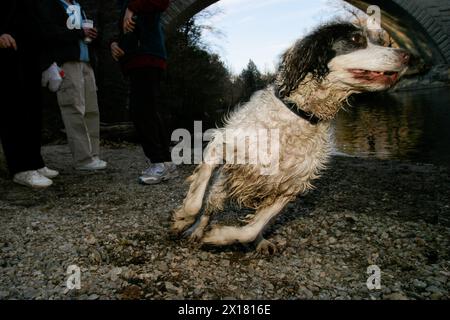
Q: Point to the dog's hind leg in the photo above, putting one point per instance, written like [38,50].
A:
[223,235]
[215,203]
[186,215]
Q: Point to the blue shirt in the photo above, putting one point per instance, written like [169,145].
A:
[84,50]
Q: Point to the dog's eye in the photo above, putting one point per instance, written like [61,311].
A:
[358,39]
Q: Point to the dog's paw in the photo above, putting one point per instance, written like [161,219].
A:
[196,235]
[267,248]
[180,225]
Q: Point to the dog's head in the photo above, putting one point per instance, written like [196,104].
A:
[342,54]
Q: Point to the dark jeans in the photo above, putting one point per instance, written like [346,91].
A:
[146,113]
[21,113]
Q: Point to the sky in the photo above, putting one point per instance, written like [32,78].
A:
[262,29]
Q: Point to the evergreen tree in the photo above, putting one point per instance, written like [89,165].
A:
[252,80]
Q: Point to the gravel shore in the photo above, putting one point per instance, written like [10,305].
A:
[364,212]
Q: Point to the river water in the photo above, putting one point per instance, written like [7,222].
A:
[413,126]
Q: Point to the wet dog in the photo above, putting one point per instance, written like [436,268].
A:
[316,76]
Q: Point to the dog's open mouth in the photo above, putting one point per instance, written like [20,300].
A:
[379,76]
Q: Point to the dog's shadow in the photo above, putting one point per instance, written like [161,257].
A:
[233,216]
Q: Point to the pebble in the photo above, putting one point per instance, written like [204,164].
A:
[332,240]
[225,263]
[163,267]
[170,287]
[90,239]
[396,296]
[4,294]
[114,274]
[433,289]
[436,296]
[305,293]
[419,284]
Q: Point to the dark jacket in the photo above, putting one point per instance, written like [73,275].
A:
[148,36]
[7,17]
[63,44]
[19,19]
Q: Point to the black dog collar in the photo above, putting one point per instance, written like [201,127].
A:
[311,118]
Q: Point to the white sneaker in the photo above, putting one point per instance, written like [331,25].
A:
[49,173]
[94,165]
[32,179]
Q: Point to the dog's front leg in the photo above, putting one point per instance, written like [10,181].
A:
[186,215]
[215,203]
[223,235]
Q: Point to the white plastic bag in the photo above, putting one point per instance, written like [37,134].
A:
[53,77]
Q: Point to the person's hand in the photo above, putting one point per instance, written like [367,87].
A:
[128,22]
[7,41]
[90,33]
[116,51]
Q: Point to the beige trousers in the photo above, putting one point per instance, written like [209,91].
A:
[77,100]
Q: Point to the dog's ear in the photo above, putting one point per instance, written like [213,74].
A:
[308,56]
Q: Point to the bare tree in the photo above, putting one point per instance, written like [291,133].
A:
[360,18]
[205,24]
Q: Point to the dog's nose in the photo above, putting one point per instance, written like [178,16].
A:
[405,57]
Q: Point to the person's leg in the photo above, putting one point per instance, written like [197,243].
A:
[92,115]
[20,124]
[33,106]
[146,114]
[71,100]
[11,136]
[33,101]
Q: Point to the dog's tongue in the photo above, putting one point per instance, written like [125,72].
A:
[368,74]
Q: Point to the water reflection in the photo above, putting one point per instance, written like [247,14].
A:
[406,125]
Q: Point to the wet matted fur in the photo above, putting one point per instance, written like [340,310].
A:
[316,76]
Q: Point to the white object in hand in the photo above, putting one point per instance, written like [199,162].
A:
[52,77]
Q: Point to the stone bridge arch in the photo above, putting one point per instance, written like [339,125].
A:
[420,26]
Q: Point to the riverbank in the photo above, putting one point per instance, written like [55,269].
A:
[392,214]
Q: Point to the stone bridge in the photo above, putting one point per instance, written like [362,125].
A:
[421,26]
